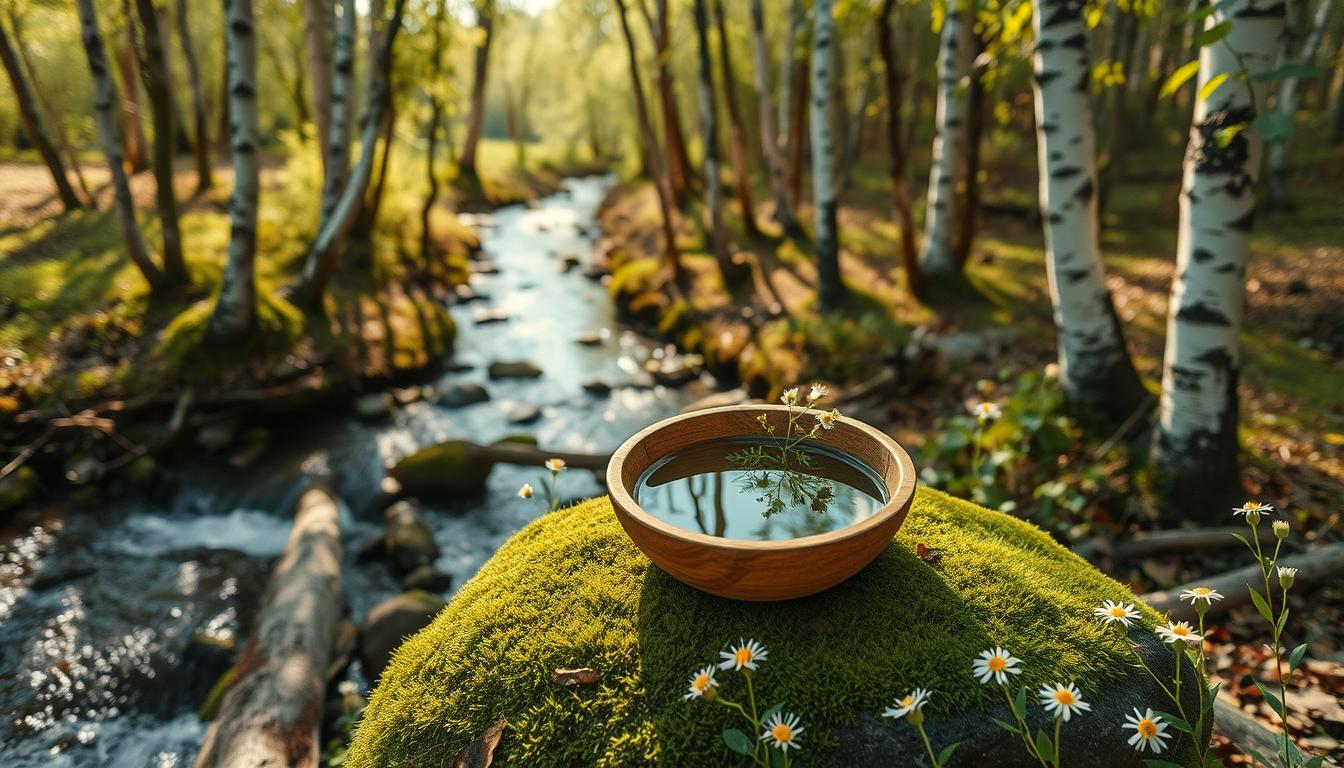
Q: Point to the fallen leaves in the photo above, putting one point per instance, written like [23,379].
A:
[481,752]
[572,677]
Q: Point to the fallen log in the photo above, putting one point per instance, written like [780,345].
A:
[1157,543]
[1243,730]
[532,456]
[270,714]
[1312,567]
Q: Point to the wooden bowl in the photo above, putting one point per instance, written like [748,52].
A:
[758,570]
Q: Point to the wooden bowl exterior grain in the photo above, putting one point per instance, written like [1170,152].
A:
[758,570]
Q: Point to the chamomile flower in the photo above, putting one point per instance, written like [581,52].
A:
[556,465]
[1206,594]
[817,392]
[911,702]
[1063,699]
[1179,631]
[347,688]
[1253,508]
[781,730]
[525,492]
[826,419]
[1150,731]
[985,411]
[1114,611]
[745,654]
[1287,576]
[1281,529]
[702,683]
[790,396]
[996,664]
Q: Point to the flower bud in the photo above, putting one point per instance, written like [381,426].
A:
[1281,529]
[1252,518]
[1287,576]
[916,717]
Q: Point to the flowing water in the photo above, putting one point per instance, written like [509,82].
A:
[98,608]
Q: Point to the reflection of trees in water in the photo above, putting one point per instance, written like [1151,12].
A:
[777,485]
[720,517]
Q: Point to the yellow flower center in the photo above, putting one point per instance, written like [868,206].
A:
[1118,612]
[1180,631]
[996,664]
[1201,591]
[907,701]
[743,656]
[1147,728]
[701,682]
[782,732]
[1064,696]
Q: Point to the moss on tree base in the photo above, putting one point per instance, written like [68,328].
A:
[571,590]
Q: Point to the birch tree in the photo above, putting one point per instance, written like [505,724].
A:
[830,291]
[201,141]
[954,65]
[317,18]
[106,103]
[154,72]
[337,161]
[1095,367]
[770,146]
[485,24]
[1196,440]
[235,312]
[1286,106]
[32,123]
[893,81]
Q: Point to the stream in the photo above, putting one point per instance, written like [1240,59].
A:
[99,607]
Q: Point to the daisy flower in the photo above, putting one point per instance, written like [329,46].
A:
[1113,611]
[1287,576]
[556,465]
[1150,731]
[913,702]
[790,396]
[702,682]
[745,654]
[826,419]
[1179,630]
[1201,593]
[525,492]
[986,411]
[1063,700]
[996,663]
[781,730]
[347,688]
[1253,507]
[818,391]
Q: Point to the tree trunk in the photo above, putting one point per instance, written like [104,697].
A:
[485,17]
[830,289]
[792,83]
[321,259]
[678,161]
[709,137]
[336,165]
[435,97]
[32,123]
[793,174]
[651,154]
[154,71]
[105,104]
[852,118]
[373,202]
[201,141]
[968,192]
[222,128]
[235,313]
[1337,100]
[1196,441]
[737,139]
[1095,367]
[137,148]
[1287,105]
[317,43]
[954,63]
[770,147]
[893,81]
[271,713]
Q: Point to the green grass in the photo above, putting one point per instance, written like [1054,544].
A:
[570,590]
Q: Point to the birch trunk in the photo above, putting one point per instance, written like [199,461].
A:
[651,155]
[968,168]
[32,123]
[235,313]
[830,291]
[893,81]
[737,139]
[154,71]
[105,104]
[954,64]
[485,17]
[337,163]
[321,259]
[709,136]
[678,161]
[1287,104]
[770,146]
[1095,367]
[201,140]
[318,48]
[1196,440]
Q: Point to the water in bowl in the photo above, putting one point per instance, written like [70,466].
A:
[750,489]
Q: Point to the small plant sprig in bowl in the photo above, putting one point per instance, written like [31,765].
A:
[778,470]
[779,730]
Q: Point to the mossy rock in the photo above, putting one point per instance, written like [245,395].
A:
[571,590]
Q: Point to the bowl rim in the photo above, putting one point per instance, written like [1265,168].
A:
[900,494]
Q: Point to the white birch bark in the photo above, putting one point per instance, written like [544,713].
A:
[829,288]
[1095,367]
[235,311]
[107,103]
[1196,441]
[954,65]
[770,148]
[1287,104]
[337,161]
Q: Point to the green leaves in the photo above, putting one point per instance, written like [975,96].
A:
[1272,699]
[1274,126]
[1178,78]
[1295,658]
[1210,35]
[1206,90]
[1020,704]
[1288,70]
[1045,748]
[947,751]
[1176,721]
[1261,605]
[738,741]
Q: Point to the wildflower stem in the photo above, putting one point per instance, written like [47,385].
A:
[1022,723]
[1058,720]
[755,718]
[933,759]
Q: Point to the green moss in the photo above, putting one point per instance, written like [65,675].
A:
[571,590]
